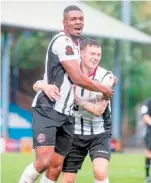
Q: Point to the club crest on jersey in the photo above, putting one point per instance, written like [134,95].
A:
[69,50]
[41,138]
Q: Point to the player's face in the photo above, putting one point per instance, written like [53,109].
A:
[91,56]
[74,22]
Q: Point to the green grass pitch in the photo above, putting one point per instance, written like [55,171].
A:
[124,168]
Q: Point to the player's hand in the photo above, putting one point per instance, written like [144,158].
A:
[108,92]
[51,91]
[115,80]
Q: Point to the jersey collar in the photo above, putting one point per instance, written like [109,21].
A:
[76,42]
[94,71]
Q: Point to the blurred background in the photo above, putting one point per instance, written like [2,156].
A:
[124,31]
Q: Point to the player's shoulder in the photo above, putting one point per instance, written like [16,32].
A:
[101,70]
[146,106]
[105,76]
[61,38]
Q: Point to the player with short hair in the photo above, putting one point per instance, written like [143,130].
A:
[146,116]
[52,120]
[92,120]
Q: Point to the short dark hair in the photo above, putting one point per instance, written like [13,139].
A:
[89,42]
[70,8]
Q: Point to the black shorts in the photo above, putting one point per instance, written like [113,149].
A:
[98,146]
[51,128]
[147,140]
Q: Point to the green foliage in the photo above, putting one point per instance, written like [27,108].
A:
[29,51]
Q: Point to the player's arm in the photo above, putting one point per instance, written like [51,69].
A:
[50,90]
[147,119]
[83,81]
[64,49]
[38,85]
[96,109]
[96,105]
[145,114]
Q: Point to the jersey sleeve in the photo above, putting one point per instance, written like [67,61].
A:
[63,47]
[108,79]
[146,109]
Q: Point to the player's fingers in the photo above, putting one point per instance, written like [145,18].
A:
[53,95]
[55,90]
[51,99]
[49,96]
[112,93]
[115,81]
[57,93]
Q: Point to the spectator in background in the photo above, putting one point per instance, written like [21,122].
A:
[146,116]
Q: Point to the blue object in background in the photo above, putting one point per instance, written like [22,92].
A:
[19,122]
[20,132]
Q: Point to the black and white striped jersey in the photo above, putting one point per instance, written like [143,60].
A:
[61,48]
[85,122]
[146,109]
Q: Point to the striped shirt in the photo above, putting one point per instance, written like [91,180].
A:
[85,122]
[146,109]
[61,48]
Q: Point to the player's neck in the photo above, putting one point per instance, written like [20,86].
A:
[74,39]
[86,71]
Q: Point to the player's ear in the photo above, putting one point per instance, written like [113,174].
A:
[63,22]
[81,53]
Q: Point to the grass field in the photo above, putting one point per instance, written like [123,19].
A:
[124,168]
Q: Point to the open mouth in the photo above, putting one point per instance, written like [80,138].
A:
[78,28]
[94,62]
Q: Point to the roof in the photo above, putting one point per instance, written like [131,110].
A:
[47,16]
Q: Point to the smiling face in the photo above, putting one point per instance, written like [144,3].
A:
[91,56]
[73,23]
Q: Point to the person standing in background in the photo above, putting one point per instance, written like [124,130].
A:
[146,116]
